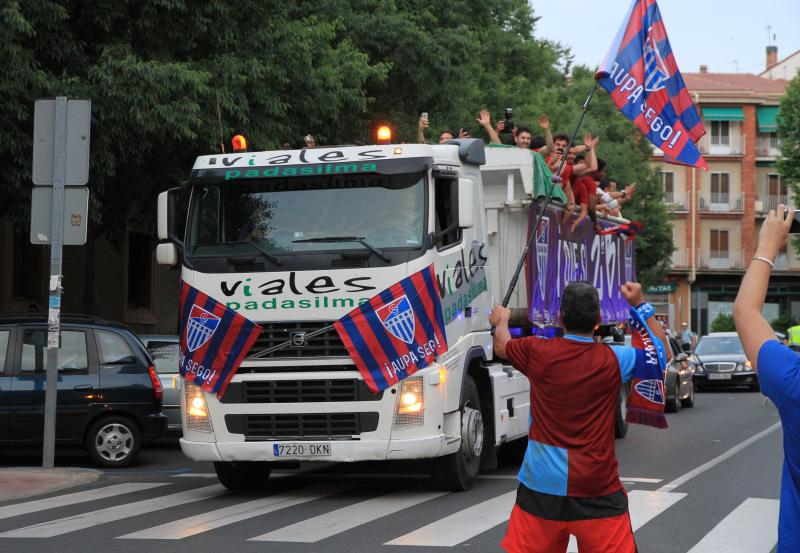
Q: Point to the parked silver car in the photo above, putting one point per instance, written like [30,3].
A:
[164,351]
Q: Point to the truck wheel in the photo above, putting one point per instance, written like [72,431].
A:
[113,442]
[458,471]
[242,475]
[621,425]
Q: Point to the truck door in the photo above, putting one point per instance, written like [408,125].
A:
[77,385]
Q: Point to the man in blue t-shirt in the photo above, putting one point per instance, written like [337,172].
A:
[778,367]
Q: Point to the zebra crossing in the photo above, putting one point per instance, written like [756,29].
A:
[750,527]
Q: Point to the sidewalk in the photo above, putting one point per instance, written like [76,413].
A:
[19,483]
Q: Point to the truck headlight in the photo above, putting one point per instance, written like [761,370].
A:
[410,410]
[195,408]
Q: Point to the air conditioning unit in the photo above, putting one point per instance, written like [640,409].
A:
[759,205]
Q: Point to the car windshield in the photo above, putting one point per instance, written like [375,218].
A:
[303,214]
[165,356]
[717,345]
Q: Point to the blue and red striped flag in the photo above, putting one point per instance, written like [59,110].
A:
[214,340]
[397,333]
[644,82]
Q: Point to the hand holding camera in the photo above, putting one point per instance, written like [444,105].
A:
[508,123]
[423,121]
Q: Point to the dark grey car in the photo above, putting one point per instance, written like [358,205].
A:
[719,361]
[163,348]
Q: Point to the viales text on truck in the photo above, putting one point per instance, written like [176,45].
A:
[294,240]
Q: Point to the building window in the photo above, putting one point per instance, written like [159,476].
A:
[720,188]
[776,187]
[140,270]
[668,185]
[719,244]
[721,133]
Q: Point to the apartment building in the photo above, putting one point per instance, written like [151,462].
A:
[717,214]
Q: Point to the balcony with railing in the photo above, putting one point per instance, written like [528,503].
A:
[680,258]
[732,144]
[676,201]
[727,260]
[768,146]
[721,202]
[771,201]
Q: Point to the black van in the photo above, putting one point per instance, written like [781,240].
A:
[109,395]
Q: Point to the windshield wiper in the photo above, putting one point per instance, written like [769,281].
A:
[261,249]
[359,239]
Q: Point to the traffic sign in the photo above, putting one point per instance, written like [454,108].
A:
[76,215]
[79,118]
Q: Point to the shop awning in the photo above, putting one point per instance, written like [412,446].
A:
[767,118]
[732,113]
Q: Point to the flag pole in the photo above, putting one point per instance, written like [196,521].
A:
[555,178]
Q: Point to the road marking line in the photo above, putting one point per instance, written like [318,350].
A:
[338,521]
[750,528]
[211,520]
[463,525]
[27,507]
[119,512]
[717,460]
[641,480]
[643,506]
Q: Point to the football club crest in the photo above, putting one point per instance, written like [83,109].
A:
[200,328]
[542,251]
[651,390]
[655,70]
[398,318]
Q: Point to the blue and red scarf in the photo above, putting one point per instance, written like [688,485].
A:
[646,401]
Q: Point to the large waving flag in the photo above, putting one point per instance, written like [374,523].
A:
[642,77]
[398,332]
[214,340]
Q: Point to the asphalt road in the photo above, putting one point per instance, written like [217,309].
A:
[708,484]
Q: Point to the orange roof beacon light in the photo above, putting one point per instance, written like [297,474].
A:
[384,134]
[239,143]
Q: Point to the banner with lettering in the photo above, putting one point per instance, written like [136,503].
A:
[559,257]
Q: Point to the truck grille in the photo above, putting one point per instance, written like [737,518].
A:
[301,426]
[298,391]
[326,344]
[719,367]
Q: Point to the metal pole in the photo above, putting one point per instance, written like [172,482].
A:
[54,287]
[555,179]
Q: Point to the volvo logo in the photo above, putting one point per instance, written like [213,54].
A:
[298,339]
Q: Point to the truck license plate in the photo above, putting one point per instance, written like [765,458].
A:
[302,450]
[712,376]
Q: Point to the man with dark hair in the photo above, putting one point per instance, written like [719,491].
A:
[569,480]
[524,137]
[778,366]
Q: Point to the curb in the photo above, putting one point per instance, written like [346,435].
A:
[20,483]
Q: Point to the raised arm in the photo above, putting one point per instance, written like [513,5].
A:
[544,122]
[499,319]
[751,325]
[589,164]
[632,292]
[485,121]
[422,124]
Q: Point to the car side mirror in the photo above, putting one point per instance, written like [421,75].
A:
[687,348]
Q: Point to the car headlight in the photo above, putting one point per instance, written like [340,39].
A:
[410,410]
[195,408]
[698,368]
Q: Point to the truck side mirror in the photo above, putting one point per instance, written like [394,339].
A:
[167,224]
[466,203]
[167,254]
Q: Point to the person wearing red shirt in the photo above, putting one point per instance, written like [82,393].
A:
[585,190]
[569,480]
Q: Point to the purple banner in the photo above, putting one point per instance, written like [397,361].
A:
[559,256]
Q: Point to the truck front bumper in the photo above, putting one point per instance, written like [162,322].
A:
[341,450]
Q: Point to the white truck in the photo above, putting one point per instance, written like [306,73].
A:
[294,240]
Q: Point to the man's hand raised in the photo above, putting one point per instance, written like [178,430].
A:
[485,119]
[632,292]
[544,121]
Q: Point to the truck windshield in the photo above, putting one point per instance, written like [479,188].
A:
[283,216]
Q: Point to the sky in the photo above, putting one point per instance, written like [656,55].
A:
[727,35]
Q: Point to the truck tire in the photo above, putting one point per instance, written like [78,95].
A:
[620,424]
[242,475]
[458,471]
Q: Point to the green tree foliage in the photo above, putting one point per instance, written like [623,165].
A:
[789,133]
[173,79]
[723,323]
[784,322]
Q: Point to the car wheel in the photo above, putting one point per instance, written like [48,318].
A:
[242,475]
[113,442]
[674,405]
[689,401]
[620,424]
[458,471]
